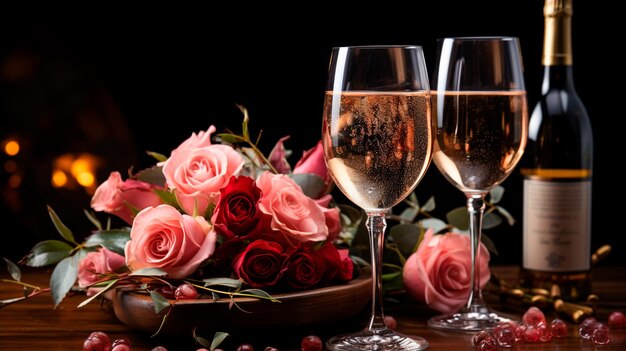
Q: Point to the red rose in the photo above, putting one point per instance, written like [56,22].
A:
[306,268]
[236,214]
[339,266]
[261,264]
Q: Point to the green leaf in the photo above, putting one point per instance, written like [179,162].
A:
[155,272]
[488,243]
[13,269]
[217,339]
[435,224]
[65,232]
[495,194]
[160,302]
[231,138]
[63,278]
[458,218]
[412,199]
[228,282]
[257,292]
[109,285]
[167,197]
[92,218]
[509,218]
[114,240]
[153,175]
[244,124]
[157,156]
[429,205]
[392,281]
[312,185]
[405,236]
[409,214]
[491,220]
[200,340]
[48,252]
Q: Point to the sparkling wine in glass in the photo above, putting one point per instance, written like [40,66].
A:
[377,138]
[481,124]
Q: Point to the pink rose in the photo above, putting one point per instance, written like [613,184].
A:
[278,157]
[313,162]
[162,237]
[202,139]
[124,198]
[94,264]
[197,174]
[439,272]
[291,212]
[333,220]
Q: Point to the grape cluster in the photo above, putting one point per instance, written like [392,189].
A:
[535,329]
[100,341]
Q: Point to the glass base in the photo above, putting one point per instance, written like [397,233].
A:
[470,321]
[385,340]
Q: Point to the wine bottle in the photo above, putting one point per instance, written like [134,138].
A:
[557,171]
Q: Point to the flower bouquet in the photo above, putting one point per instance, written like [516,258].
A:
[215,219]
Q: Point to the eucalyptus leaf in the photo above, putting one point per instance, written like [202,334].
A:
[409,214]
[65,232]
[154,272]
[259,293]
[412,199]
[153,175]
[63,278]
[13,269]
[491,220]
[489,244]
[509,218]
[114,239]
[200,340]
[350,216]
[405,236]
[228,282]
[218,339]
[495,194]
[458,218]
[392,282]
[160,302]
[429,206]
[48,252]
[435,224]
[312,185]
[157,156]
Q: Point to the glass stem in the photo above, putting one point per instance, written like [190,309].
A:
[476,208]
[376,225]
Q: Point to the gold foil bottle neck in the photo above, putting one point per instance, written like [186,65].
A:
[557,39]
[557,7]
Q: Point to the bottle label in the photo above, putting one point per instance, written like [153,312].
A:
[557,225]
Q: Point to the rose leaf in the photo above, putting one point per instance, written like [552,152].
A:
[63,278]
[48,252]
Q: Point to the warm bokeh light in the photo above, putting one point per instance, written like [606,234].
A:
[59,179]
[85,179]
[70,170]
[11,147]
[10,166]
[15,181]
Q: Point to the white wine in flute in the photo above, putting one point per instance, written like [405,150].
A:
[476,154]
[381,144]
[558,171]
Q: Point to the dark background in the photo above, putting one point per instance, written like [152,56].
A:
[115,82]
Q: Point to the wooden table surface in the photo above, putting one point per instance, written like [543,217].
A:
[35,325]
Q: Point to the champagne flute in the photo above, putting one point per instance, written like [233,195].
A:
[481,125]
[377,139]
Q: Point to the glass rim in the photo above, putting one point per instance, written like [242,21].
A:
[380,46]
[482,38]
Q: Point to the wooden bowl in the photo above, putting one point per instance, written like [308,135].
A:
[327,304]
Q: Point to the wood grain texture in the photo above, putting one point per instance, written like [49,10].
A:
[35,325]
